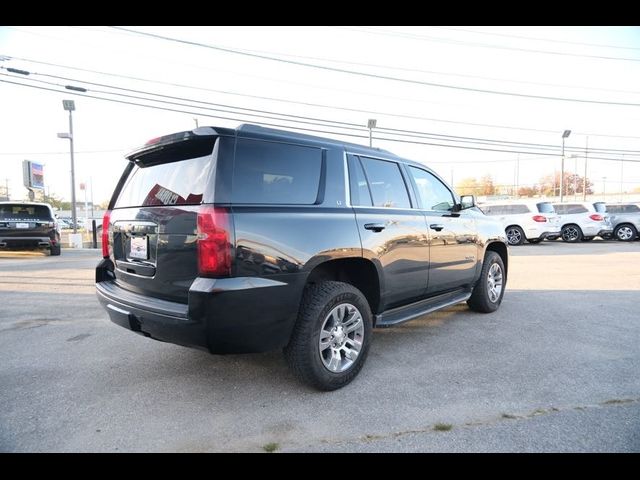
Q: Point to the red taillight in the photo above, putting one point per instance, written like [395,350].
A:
[153,141]
[539,218]
[596,217]
[214,247]
[105,233]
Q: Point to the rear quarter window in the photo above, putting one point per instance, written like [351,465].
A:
[272,173]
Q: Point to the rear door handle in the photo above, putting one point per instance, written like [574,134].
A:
[376,227]
[436,226]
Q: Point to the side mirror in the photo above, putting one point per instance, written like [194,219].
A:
[467,201]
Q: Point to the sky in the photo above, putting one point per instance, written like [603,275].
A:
[448,97]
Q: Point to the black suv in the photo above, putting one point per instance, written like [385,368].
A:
[256,239]
[27,225]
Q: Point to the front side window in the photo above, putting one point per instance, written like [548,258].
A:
[271,173]
[386,183]
[433,194]
[569,209]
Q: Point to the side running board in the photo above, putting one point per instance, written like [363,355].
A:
[415,310]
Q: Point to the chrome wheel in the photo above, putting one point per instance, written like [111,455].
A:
[494,282]
[514,236]
[341,338]
[624,233]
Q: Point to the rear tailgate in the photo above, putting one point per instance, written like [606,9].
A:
[153,222]
[22,221]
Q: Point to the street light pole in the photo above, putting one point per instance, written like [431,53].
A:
[70,106]
[565,134]
[371,124]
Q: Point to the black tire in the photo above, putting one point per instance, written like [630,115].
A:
[625,232]
[55,250]
[534,240]
[515,235]
[571,233]
[303,353]
[587,239]
[480,300]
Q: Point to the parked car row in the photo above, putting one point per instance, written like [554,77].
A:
[534,221]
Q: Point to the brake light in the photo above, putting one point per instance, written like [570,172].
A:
[539,218]
[214,247]
[153,141]
[105,233]
[596,217]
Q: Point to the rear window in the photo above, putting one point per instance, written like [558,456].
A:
[24,212]
[545,207]
[175,183]
[273,173]
[569,209]
[600,207]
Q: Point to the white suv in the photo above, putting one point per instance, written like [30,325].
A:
[525,220]
[580,221]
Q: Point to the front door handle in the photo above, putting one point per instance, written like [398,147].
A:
[376,227]
[436,226]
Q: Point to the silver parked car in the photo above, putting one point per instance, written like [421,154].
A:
[624,217]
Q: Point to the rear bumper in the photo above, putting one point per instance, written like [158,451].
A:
[227,315]
[607,233]
[26,242]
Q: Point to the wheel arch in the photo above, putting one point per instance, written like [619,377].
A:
[356,271]
[501,249]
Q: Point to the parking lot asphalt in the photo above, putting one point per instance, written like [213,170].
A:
[555,369]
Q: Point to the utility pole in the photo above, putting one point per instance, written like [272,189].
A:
[565,134]
[622,178]
[517,179]
[584,180]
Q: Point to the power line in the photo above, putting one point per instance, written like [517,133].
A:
[308,120]
[429,38]
[372,75]
[417,70]
[275,99]
[522,37]
[83,94]
[63,153]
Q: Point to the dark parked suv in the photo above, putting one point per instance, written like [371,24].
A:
[27,225]
[255,239]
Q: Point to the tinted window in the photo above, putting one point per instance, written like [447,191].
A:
[386,183]
[433,194]
[360,195]
[518,209]
[276,173]
[632,209]
[493,209]
[30,212]
[611,209]
[600,207]
[175,183]
[545,207]
[569,209]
